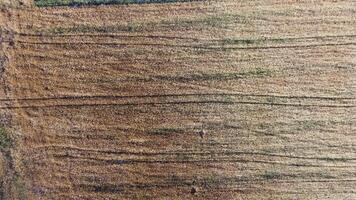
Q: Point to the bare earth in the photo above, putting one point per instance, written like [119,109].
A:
[204,100]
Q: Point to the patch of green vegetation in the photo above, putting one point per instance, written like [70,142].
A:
[211,180]
[166,131]
[45,3]
[228,98]
[20,188]
[264,126]
[217,21]
[321,175]
[231,41]
[266,129]
[5,140]
[183,157]
[258,72]
[330,159]
[310,124]
[131,27]
[270,175]
[273,99]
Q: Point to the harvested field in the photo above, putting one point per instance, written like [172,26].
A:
[188,100]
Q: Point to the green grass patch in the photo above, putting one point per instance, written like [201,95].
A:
[271,175]
[131,27]
[20,188]
[212,21]
[50,3]
[310,125]
[231,41]
[330,159]
[258,72]
[166,131]
[5,140]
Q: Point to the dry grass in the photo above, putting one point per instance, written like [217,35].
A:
[196,100]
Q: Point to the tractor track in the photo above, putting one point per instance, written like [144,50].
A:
[177,99]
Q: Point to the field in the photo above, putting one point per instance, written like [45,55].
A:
[212,99]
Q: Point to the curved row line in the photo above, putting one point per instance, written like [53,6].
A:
[189,46]
[174,95]
[178,103]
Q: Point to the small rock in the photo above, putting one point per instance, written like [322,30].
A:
[202,133]
[193,191]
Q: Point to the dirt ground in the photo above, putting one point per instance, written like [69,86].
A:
[202,100]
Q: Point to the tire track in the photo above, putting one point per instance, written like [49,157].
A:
[224,153]
[174,103]
[180,99]
[189,46]
[177,95]
[205,161]
[174,37]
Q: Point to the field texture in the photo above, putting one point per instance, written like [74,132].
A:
[202,100]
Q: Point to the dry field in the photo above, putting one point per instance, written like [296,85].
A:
[220,99]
